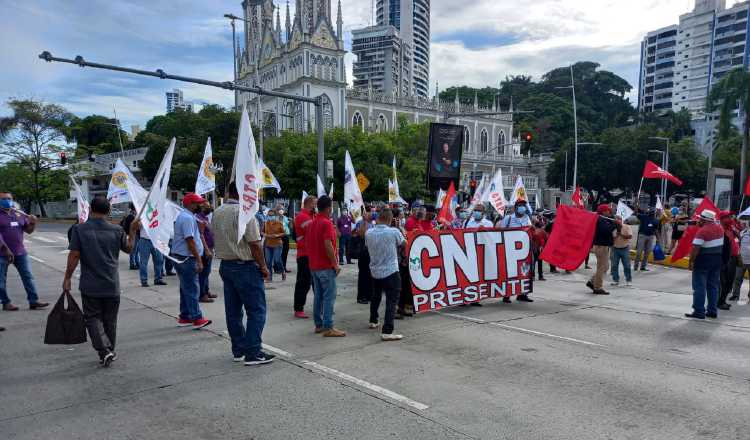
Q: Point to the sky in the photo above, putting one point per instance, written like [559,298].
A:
[474,42]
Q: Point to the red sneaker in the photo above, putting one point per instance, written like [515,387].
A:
[300,315]
[184,322]
[200,323]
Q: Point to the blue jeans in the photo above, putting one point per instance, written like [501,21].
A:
[324,289]
[146,249]
[189,289]
[134,255]
[24,270]
[203,277]
[344,249]
[273,260]
[243,289]
[706,286]
[618,255]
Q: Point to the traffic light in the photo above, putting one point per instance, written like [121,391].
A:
[528,137]
[63,158]
[526,140]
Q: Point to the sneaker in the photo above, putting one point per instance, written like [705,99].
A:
[629,284]
[334,333]
[134,267]
[160,283]
[590,285]
[694,315]
[283,276]
[184,322]
[38,305]
[542,279]
[238,358]
[643,269]
[614,283]
[734,298]
[259,359]
[108,359]
[205,299]
[10,307]
[301,315]
[724,306]
[200,323]
[144,284]
[373,325]
[712,315]
[363,301]
[171,273]
[391,337]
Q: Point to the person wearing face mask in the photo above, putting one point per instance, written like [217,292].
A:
[285,239]
[519,218]
[477,219]
[460,218]
[188,250]
[413,223]
[273,231]
[207,235]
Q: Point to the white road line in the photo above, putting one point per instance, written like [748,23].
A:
[364,384]
[466,318]
[278,351]
[38,260]
[549,335]
[44,239]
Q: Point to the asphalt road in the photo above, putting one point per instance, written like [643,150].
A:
[569,366]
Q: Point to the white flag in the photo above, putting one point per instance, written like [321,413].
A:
[496,194]
[304,196]
[519,192]
[659,206]
[537,204]
[83,204]
[321,188]
[330,193]
[478,193]
[352,194]
[623,210]
[156,217]
[440,198]
[118,184]
[246,169]
[206,179]
[268,180]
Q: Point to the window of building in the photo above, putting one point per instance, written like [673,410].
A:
[382,125]
[358,121]
[467,140]
[483,142]
[501,141]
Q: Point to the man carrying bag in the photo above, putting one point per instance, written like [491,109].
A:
[96,244]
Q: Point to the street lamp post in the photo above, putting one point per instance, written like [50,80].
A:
[575,127]
[664,164]
[575,161]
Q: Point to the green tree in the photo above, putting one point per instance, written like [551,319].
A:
[35,135]
[98,134]
[15,178]
[727,95]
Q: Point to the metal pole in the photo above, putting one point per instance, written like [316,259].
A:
[566,171]
[666,182]
[119,135]
[234,59]
[321,144]
[257,79]
[575,130]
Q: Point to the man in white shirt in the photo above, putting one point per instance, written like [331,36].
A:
[477,219]
[519,218]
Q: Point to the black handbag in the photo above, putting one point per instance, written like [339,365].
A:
[65,324]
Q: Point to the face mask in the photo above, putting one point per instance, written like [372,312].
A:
[281,212]
[6,203]
[463,215]
[477,215]
[521,210]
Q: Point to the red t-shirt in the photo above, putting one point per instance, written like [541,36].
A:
[301,223]
[539,238]
[411,223]
[426,225]
[320,230]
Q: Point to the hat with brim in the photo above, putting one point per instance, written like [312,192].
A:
[708,215]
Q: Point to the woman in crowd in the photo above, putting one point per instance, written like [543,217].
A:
[273,230]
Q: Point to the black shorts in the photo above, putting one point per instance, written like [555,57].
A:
[676,235]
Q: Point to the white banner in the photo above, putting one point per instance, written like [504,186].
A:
[659,206]
[496,193]
[118,184]
[478,193]
[268,180]
[304,196]
[352,194]
[246,169]
[519,192]
[330,193]
[156,217]
[83,204]
[321,187]
[440,198]
[206,179]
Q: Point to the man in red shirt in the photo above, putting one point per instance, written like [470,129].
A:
[705,262]
[730,253]
[412,223]
[304,279]
[324,264]
[428,224]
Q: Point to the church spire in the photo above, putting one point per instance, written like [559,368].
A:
[288,23]
[340,25]
[278,24]
[476,100]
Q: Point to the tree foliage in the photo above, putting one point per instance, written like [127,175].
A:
[14,177]
[98,134]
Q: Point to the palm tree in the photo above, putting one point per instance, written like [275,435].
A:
[729,95]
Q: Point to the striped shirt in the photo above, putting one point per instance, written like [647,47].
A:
[710,238]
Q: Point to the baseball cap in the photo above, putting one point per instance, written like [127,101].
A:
[192,198]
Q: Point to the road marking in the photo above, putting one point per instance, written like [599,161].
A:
[44,239]
[278,351]
[466,318]
[38,260]
[364,384]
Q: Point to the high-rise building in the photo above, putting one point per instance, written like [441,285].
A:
[174,100]
[412,19]
[384,61]
[658,52]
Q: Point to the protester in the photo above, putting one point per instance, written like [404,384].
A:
[646,239]
[168,264]
[413,223]
[538,240]
[384,243]
[147,250]
[96,244]
[285,239]
[519,218]
[188,250]
[273,245]
[603,240]
[477,219]
[207,236]
[548,229]
[324,265]
[665,227]
[729,255]
[364,277]
[679,225]
[743,266]
[304,278]
[125,223]
[242,270]
[405,302]
[460,218]
[621,253]
[344,226]
[429,222]
[705,262]
[13,224]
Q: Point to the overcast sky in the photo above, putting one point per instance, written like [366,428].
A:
[474,42]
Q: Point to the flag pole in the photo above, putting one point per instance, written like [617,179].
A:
[150,190]
[638,197]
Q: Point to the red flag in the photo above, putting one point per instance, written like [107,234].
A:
[446,213]
[747,187]
[686,242]
[577,199]
[653,171]
[571,238]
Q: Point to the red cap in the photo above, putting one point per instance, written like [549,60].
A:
[601,209]
[192,198]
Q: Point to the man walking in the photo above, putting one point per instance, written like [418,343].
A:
[207,235]
[705,262]
[126,222]
[324,264]
[304,278]
[646,239]
[603,240]
[187,250]
[621,253]
[344,225]
[96,244]
[146,249]
[729,255]
[384,243]
[13,224]
[242,269]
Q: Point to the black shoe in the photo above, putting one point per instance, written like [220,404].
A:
[144,284]
[107,359]
[2,329]
[171,274]
[600,292]
[693,315]
[590,285]
[38,305]
[398,315]
[507,300]
[261,358]
[476,305]
[734,298]
[553,271]
[587,267]
[712,315]
[363,301]
[724,306]
[524,298]
[159,283]
[542,279]
[134,268]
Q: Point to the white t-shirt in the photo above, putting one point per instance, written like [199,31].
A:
[483,223]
